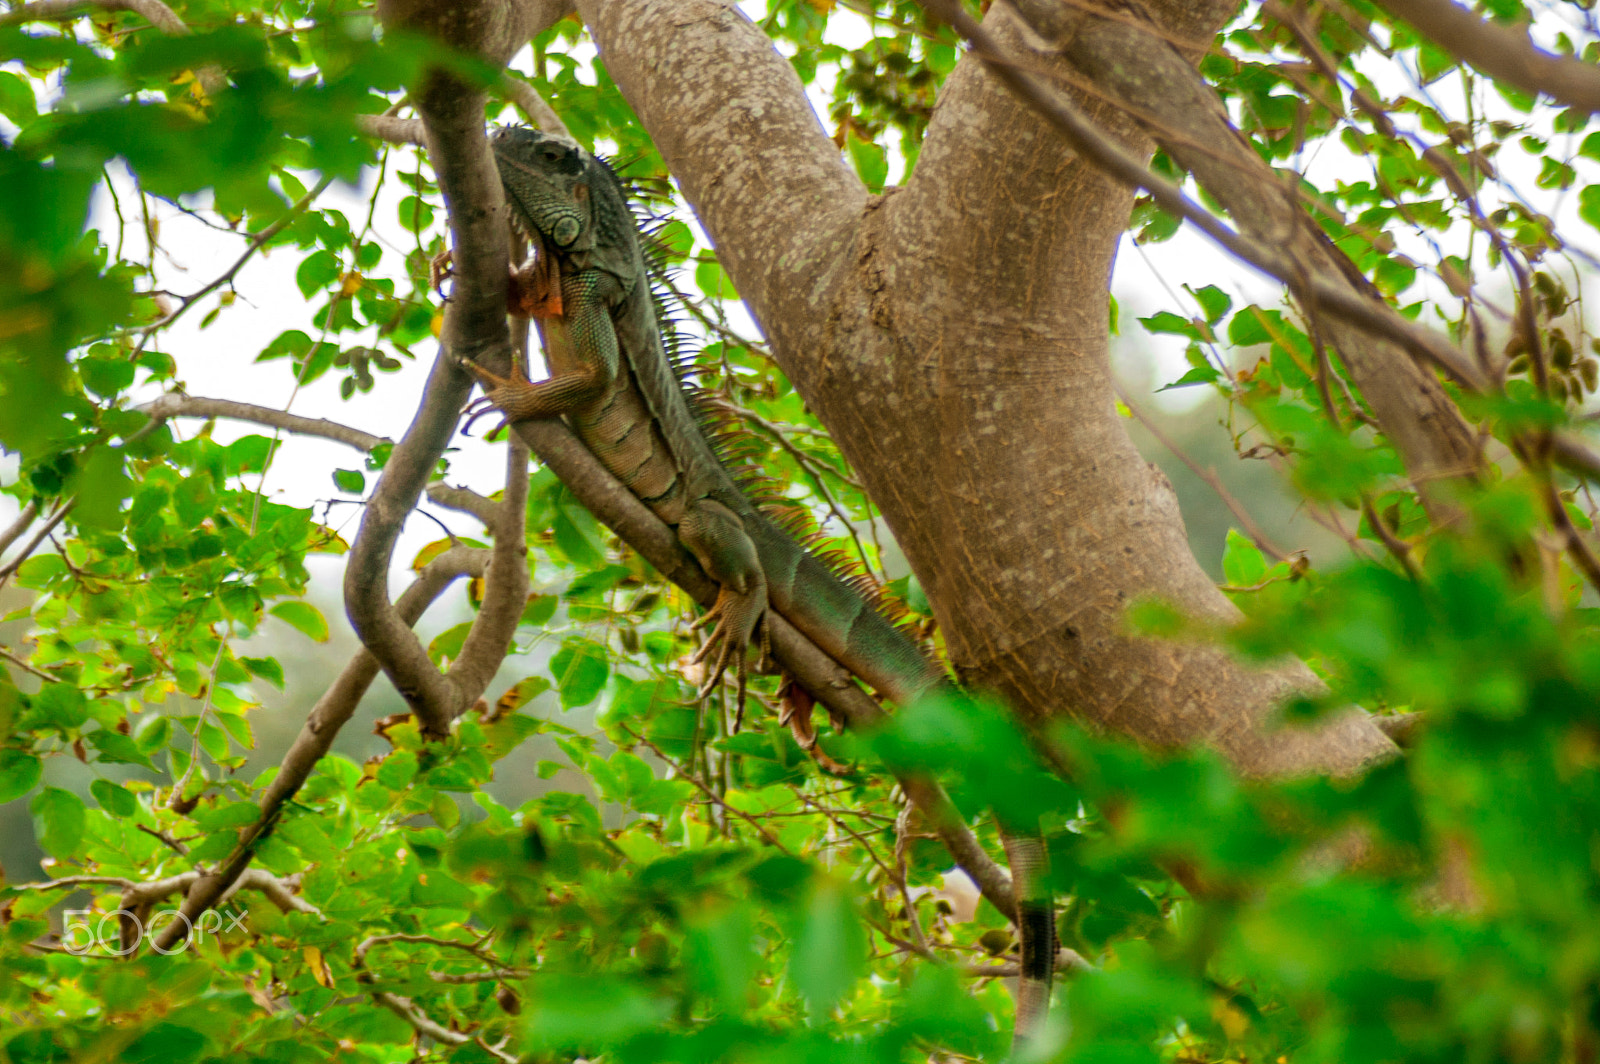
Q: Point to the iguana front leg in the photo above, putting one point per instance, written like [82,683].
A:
[581,349]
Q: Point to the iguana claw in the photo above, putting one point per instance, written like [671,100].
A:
[492,399]
[729,641]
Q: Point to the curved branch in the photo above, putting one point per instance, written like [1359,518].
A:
[534,107]
[474,328]
[1505,53]
[154,12]
[466,501]
[505,586]
[174,404]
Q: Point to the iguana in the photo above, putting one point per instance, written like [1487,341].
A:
[611,378]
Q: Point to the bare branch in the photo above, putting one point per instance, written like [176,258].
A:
[467,501]
[154,12]
[533,106]
[1505,53]
[257,242]
[25,666]
[39,537]
[1401,727]
[174,404]
[712,796]
[505,586]
[19,526]
[393,130]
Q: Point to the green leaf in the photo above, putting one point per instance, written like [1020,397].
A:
[1214,301]
[16,99]
[1197,375]
[266,668]
[106,377]
[1167,322]
[1589,205]
[165,1043]
[713,281]
[398,770]
[350,481]
[870,160]
[1251,326]
[1243,564]
[223,817]
[539,609]
[303,617]
[59,816]
[448,643]
[580,668]
[19,771]
[317,271]
[114,748]
[829,950]
[577,537]
[114,799]
[102,484]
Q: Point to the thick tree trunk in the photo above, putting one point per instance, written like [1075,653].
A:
[953,336]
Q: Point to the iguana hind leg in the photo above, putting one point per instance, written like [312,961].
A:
[716,537]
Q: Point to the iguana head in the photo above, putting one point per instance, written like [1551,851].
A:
[567,199]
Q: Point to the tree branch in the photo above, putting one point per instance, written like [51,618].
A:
[533,106]
[174,404]
[1504,53]
[19,526]
[1325,293]
[39,537]
[154,12]
[393,130]
[467,501]
[505,586]
[474,328]
[1433,439]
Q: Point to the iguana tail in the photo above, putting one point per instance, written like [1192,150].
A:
[844,624]
[1036,932]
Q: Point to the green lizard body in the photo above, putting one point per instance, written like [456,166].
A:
[610,377]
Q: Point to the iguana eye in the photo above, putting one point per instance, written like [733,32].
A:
[551,155]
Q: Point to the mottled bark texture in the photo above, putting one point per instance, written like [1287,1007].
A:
[953,336]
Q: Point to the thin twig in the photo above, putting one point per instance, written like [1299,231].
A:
[761,830]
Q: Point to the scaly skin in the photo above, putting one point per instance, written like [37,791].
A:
[611,378]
